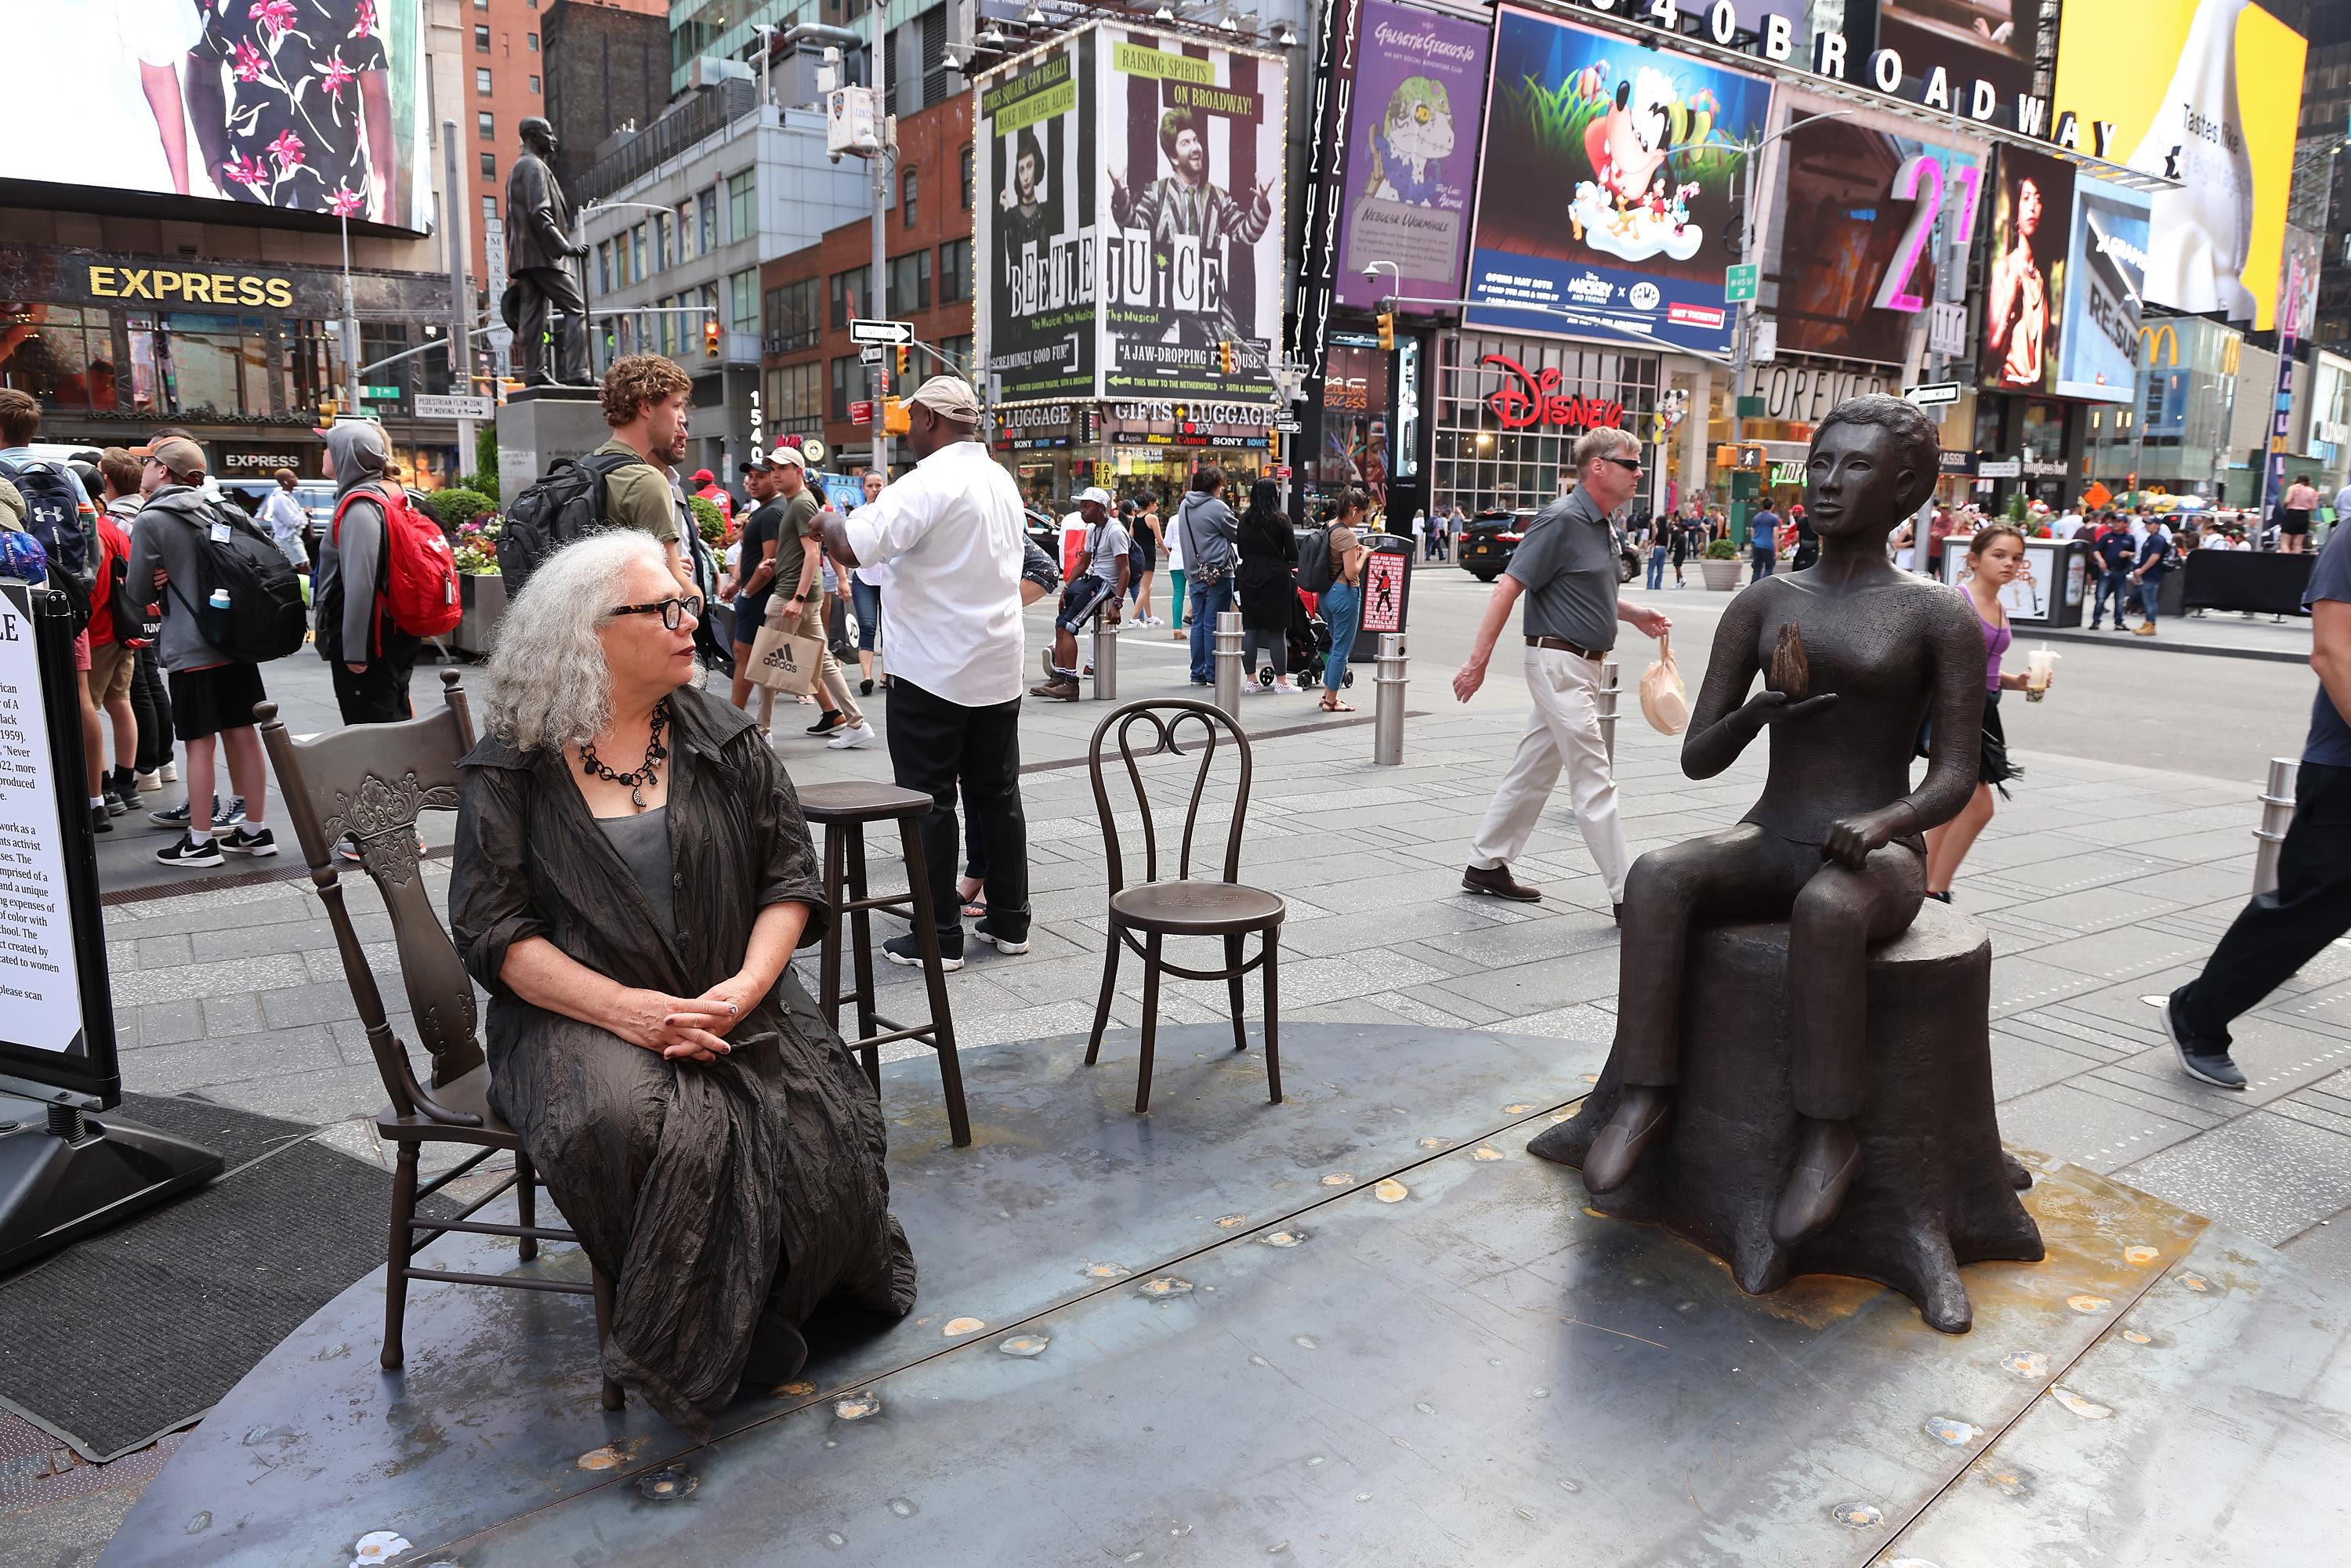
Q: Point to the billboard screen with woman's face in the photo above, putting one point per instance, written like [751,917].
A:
[2024,289]
[313,105]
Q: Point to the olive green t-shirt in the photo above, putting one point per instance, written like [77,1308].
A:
[638,497]
[793,534]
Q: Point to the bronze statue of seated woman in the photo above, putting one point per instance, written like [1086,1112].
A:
[1854,654]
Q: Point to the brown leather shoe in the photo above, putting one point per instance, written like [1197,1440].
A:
[1059,690]
[1499,883]
[1641,1116]
[1825,1165]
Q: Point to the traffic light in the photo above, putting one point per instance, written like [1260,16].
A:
[1225,355]
[896,417]
[1387,331]
[906,360]
[710,339]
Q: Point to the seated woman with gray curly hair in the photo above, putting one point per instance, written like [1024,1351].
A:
[632,874]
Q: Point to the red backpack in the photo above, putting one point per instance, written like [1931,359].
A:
[419,569]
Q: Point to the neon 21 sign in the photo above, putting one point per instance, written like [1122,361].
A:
[1924,169]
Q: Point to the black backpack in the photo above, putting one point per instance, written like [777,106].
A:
[1314,561]
[562,509]
[53,516]
[264,617]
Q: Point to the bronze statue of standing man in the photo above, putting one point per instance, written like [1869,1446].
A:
[540,252]
[1853,655]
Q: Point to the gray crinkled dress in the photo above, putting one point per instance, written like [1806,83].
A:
[708,1192]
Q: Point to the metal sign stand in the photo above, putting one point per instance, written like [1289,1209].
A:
[75,1174]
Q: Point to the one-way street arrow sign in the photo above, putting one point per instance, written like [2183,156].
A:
[862,331]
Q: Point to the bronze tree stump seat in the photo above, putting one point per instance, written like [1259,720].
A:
[1935,1191]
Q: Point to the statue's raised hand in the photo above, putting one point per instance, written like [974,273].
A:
[1774,707]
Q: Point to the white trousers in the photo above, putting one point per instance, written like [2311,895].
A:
[1563,728]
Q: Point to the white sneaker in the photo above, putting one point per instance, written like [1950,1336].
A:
[862,735]
[1285,686]
[171,773]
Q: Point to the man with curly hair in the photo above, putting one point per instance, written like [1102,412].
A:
[645,403]
[1184,205]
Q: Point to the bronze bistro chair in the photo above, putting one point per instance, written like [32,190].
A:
[370,781]
[1183,907]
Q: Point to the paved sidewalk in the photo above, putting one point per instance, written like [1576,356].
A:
[237,992]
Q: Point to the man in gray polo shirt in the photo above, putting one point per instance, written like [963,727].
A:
[1566,568]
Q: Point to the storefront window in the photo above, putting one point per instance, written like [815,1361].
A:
[1483,463]
[1354,422]
[61,354]
[312,352]
[199,366]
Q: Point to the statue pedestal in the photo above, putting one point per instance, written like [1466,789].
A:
[1935,1190]
[539,424]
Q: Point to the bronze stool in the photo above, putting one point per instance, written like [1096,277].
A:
[844,808]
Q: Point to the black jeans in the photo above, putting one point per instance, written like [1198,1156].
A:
[379,693]
[150,704]
[2282,930]
[935,743]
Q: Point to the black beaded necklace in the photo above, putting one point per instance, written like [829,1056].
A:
[655,753]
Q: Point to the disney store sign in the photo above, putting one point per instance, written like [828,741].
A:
[1527,398]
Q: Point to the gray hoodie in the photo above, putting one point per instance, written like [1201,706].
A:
[168,534]
[351,551]
[1206,530]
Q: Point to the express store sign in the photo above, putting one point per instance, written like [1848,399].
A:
[1528,398]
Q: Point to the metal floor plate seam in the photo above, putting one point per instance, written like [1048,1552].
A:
[629,1473]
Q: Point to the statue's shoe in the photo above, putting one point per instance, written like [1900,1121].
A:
[1823,1173]
[1642,1117]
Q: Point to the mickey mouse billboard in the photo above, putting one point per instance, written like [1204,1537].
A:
[1609,187]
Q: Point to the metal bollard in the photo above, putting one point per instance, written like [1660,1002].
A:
[1228,663]
[1605,701]
[1388,705]
[2277,813]
[1105,661]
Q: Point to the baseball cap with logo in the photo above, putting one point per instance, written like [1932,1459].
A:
[762,466]
[176,453]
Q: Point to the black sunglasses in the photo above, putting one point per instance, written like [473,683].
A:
[671,610]
[1630,465]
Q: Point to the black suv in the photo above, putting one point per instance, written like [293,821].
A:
[1486,545]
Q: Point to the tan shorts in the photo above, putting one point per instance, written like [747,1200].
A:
[111,667]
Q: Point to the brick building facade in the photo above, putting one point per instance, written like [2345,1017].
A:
[811,373]
[607,66]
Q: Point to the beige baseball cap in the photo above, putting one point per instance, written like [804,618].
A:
[783,456]
[951,396]
[176,453]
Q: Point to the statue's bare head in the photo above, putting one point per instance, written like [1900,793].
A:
[1874,459]
[537,135]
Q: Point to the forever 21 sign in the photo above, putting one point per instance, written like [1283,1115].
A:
[1528,399]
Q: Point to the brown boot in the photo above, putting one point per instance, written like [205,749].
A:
[1499,883]
[1060,688]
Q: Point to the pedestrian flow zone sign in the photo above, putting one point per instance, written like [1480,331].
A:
[863,331]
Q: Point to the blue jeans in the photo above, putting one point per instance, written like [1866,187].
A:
[2150,588]
[1657,566]
[2115,585]
[1210,600]
[1341,605]
[1762,566]
[868,600]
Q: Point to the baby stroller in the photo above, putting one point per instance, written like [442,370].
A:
[1307,647]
